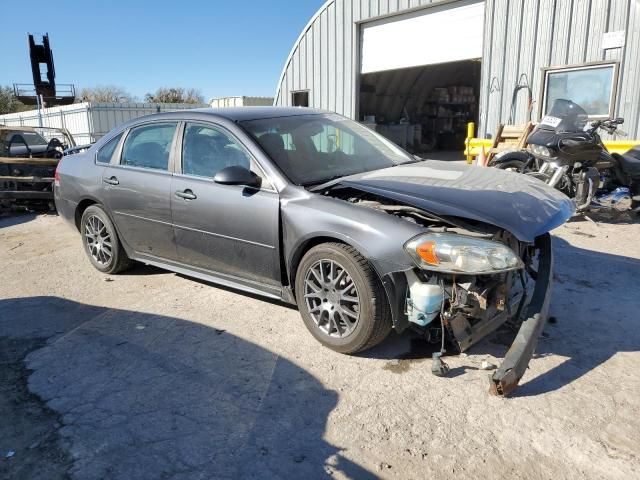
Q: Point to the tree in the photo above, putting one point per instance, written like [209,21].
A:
[174,95]
[105,93]
[9,103]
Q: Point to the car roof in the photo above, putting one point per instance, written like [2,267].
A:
[11,128]
[235,114]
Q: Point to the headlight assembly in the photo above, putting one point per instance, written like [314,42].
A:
[452,253]
[540,151]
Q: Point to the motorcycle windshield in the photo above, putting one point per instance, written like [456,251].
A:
[565,116]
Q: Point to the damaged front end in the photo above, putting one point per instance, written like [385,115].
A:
[465,308]
[469,279]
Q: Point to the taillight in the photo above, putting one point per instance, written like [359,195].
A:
[56,175]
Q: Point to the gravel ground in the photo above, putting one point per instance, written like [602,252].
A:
[152,375]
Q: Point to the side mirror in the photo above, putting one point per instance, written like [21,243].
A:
[237,175]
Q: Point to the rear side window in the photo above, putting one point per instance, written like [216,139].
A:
[106,152]
[149,146]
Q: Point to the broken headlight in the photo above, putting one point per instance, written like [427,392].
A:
[452,253]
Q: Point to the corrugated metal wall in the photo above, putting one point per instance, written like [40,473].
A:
[521,37]
[89,121]
[325,56]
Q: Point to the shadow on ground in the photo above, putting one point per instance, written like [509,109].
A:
[150,396]
[9,219]
[595,302]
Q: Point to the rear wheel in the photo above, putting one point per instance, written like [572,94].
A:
[101,243]
[341,299]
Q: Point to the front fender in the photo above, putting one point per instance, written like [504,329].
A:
[309,219]
[378,236]
[519,155]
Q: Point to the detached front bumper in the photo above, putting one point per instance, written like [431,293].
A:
[505,379]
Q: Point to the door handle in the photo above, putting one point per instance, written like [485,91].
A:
[187,195]
[111,181]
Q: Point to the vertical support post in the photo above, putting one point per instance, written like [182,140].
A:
[471,130]
[39,102]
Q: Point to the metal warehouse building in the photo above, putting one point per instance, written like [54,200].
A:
[418,71]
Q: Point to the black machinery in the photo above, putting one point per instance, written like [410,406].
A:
[44,91]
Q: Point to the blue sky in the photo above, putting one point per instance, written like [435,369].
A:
[222,47]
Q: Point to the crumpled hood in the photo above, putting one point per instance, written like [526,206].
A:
[520,204]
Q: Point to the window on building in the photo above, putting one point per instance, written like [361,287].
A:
[149,146]
[300,99]
[593,87]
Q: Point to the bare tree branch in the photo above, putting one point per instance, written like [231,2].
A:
[106,93]
[175,95]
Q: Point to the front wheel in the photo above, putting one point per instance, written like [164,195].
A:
[513,161]
[512,166]
[341,299]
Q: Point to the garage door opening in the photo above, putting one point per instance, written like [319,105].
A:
[423,109]
[420,76]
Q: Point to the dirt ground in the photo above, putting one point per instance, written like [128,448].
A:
[152,375]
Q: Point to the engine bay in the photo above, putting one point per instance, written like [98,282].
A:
[460,309]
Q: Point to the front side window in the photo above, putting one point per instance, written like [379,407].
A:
[590,86]
[311,149]
[149,146]
[206,150]
[106,152]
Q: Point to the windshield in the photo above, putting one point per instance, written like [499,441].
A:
[565,116]
[312,149]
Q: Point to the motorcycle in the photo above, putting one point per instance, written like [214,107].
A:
[566,151]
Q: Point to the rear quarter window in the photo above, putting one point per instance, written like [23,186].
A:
[105,153]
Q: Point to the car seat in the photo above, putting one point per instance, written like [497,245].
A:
[148,154]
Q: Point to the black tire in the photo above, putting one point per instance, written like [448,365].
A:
[513,161]
[511,165]
[118,261]
[373,322]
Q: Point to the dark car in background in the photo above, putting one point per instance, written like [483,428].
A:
[314,209]
[28,159]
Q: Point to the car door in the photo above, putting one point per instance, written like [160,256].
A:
[227,229]
[137,189]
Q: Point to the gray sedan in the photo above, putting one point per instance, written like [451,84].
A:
[314,209]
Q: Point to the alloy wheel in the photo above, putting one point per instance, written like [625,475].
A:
[332,299]
[98,240]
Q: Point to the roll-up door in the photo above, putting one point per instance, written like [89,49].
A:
[430,36]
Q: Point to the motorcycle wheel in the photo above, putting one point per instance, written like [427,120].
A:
[512,166]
